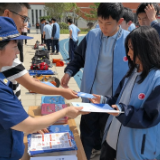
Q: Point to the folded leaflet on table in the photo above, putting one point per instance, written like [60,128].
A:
[91,107]
[41,72]
[51,142]
[59,128]
[53,99]
[47,108]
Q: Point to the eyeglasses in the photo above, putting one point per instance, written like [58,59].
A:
[25,18]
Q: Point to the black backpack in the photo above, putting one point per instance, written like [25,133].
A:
[42,53]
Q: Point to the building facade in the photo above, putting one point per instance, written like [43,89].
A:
[37,11]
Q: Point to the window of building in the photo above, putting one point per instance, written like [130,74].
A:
[40,13]
[32,17]
[37,15]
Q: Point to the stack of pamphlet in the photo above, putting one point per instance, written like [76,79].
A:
[60,141]
[53,99]
[51,104]
[51,108]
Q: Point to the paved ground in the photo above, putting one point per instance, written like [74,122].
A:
[35,99]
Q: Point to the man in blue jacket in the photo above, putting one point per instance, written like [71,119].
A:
[128,18]
[102,54]
[147,13]
[55,36]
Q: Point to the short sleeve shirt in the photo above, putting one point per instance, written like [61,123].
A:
[75,31]
[48,31]
[11,114]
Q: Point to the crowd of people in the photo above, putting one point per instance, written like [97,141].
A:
[50,34]
[121,68]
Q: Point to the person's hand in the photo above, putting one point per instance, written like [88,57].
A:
[69,93]
[42,131]
[151,12]
[64,81]
[52,38]
[96,100]
[116,108]
[73,112]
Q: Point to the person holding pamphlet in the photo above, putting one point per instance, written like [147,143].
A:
[102,55]
[134,134]
[13,118]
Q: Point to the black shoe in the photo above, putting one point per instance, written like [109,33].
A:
[68,59]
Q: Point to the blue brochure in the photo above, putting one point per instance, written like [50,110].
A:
[59,128]
[41,72]
[85,95]
[53,99]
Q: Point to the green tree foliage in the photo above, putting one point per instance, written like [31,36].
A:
[63,26]
[93,11]
[56,10]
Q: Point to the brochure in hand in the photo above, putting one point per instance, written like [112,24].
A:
[85,95]
[53,99]
[91,107]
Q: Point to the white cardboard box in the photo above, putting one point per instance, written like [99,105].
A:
[67,157]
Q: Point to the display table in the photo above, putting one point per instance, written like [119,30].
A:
[34,111]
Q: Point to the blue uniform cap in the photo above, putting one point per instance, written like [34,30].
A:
[8,30]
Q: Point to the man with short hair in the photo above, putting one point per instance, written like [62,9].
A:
[55,36]
[17,72]
[128,18]
[147,15]
[103,56]
[73,38]
[47,30]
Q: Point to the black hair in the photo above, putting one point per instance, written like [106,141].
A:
[3,44]
[53,19]
[142,6]
[16,7]
[70,21]
[127,14]
[50,21]
[146,46]
[110,9]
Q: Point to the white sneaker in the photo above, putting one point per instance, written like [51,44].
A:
[95,152]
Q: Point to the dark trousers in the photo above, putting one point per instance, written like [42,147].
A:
[28,30]
[72,48]
[55,45]
[42,39]
[107,153]
[92,128]
[20,47]
[48,43]
[25,33]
